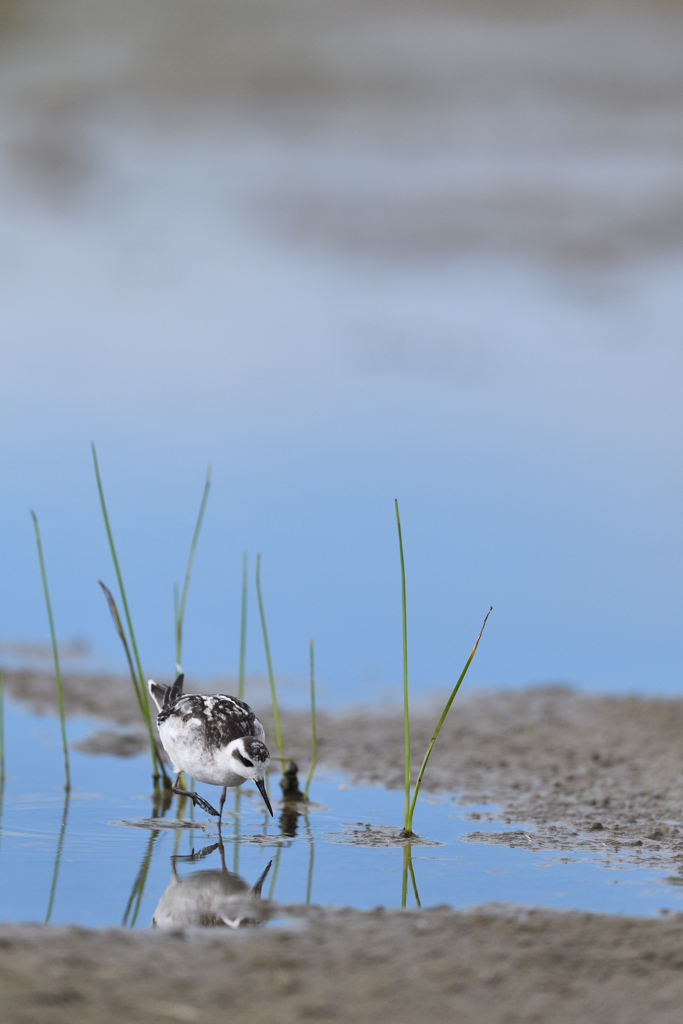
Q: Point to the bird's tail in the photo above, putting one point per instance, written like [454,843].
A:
[165,695]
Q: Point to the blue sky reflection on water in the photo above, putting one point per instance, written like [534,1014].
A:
[101,860]
[524,408]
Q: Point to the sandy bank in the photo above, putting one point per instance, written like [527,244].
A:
[344,965]
[593,773]
[603,774]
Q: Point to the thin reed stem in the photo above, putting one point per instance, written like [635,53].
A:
[412,877]
[138,889]
[119,578]
[311,861]
[141,689]
[408,871]
[314,736]
[58,856]
[2,798]
[114,612]
[188,572]
[55,652]
[2,727]
[2,746]
[406,712]
[118,625]
[409,825]
[271,679]
[243,627]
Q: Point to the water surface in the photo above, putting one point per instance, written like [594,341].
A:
[97,860]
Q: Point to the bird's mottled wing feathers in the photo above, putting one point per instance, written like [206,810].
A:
[220,717]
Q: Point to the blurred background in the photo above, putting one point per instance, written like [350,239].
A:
[348,251]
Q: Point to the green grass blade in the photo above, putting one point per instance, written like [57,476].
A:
[408,871]
[119,579]
[141,688]
[118,626]
[2,745]
[2,797]
[188,571]
[55,652]
[314,736]
[406,713]
[271,679]
[176,841]
[440,723]
[58,857]
[138,890]
[2,727]
[243,627]
[136,686]
[412,877]
[309,877]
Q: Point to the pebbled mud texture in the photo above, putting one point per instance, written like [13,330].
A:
[501,967]
[603,774]
[566,771]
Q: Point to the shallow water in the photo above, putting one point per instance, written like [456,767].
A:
[97,860]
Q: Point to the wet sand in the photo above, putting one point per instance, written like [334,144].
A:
[491,965]
[602,774]
[568,771]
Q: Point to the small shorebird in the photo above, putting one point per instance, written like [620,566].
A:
[216,739]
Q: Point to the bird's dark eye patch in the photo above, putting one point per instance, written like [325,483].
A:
[245,762]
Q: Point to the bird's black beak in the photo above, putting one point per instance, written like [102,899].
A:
[261,786]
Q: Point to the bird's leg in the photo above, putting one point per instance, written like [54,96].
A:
[222,849]
[175,788]
[196,799]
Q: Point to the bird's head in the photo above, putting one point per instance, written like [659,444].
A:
[250,758]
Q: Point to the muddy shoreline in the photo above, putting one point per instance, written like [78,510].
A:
[496,964]
[598,774]
[568,771]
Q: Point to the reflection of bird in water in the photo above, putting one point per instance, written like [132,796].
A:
[210,898]
[215,739]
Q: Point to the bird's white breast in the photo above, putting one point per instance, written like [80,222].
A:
[184,743]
